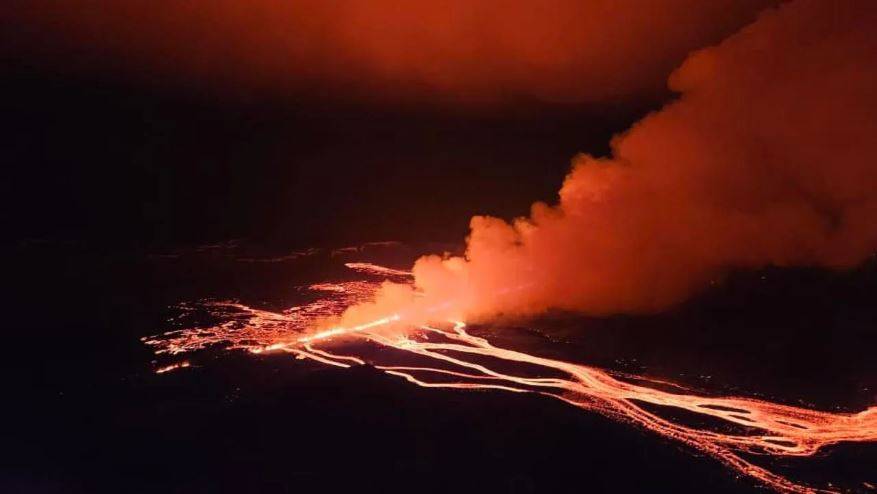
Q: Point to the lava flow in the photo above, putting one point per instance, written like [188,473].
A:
[446,355]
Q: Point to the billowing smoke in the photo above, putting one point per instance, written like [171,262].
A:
[590,50]
[768,157]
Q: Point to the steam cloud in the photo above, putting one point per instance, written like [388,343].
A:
[768,157]
[577,50]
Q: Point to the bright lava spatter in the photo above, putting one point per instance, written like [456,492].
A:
[457,360]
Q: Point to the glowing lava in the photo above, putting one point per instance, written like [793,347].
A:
[168,368]
[453,358]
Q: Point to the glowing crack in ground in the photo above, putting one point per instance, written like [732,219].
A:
[457,359]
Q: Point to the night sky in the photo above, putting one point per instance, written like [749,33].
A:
[310,123]
[102,159]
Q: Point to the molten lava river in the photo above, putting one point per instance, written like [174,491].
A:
[447,355]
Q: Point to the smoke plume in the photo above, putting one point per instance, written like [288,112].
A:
[768,157]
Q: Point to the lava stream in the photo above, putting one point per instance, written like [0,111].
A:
[458,361]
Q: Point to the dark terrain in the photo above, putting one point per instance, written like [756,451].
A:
[86,413]
[115,198]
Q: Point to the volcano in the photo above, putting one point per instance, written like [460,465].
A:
[439,246]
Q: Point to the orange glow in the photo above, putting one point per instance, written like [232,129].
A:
[453,358]
[578,50]
[756,164]
[171,367]
[369,268]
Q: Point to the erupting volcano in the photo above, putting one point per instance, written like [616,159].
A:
[670,221]
[447,355]
[766,158]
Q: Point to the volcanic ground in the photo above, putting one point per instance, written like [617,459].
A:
[87,411]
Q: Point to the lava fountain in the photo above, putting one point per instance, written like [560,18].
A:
[445,355]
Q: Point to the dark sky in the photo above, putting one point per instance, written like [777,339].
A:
[317,122]
[95,158]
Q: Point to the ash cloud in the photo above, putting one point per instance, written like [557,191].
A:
[768,157]
[432,51]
